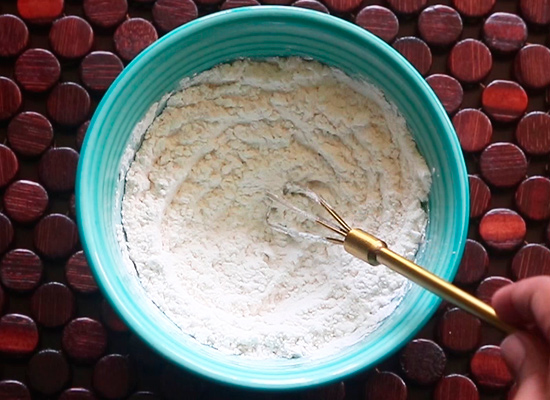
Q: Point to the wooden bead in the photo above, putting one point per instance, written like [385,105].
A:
[504,32]
[459,331]
[25,201]
[99,69]
[30,133]
[71,37]
[423,361]
[342,6]
[78,274]
[229,4]
[69,104]
[536,11]
[40,11]
[474,8]
[11,99]
[489,369]
[439,25]
[473,128]
[6,233]
[336,391]
[21,270]
[533,133]
[111,319]
[48,372]
[474,264]
[144,396]
[531,260]
[105,13]
[504,101]
[13,390]
[53,304]
[169,14]
[448,90]
[384,386]
[379,21]
[456,386]
[502,229]
[57,169]
[132,36]
[311,4]
[81,134]
[470,61]
[416,51]
[55,236]
[489,286]
[37,70]
[269,2]
[503,164]
[9,165]
[533,198]
[112,377]
[407,6]
[18,335]
[530,66]
[77,394]
[84,339]
[14,35]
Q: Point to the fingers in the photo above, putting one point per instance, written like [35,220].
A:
[526,302]
[527,356]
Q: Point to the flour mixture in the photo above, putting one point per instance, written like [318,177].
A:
[195,205]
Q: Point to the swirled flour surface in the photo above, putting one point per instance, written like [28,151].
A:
[195,205]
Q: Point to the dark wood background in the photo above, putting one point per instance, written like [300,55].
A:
[58,337]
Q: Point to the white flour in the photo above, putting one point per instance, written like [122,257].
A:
[195,205]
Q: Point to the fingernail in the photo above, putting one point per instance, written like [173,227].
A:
[513,352]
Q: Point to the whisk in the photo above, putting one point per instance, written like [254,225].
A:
[369,248]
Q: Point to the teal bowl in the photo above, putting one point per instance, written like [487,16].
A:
[261,32]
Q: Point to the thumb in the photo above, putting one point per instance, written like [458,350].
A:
[527,356]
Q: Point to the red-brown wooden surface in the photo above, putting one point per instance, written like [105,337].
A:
[60,339]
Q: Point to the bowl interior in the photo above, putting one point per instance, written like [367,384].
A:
[260,33]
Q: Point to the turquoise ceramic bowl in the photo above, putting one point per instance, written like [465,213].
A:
[257,33]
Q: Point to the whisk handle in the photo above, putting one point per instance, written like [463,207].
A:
[373,250]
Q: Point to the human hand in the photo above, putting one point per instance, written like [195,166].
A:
[526,304]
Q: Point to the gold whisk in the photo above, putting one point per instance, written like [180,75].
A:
[369,248]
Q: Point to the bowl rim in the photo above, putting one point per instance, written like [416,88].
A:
[87,224]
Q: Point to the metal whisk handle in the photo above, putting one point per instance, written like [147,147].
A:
[373,250]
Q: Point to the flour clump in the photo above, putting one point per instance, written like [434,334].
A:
[194,207]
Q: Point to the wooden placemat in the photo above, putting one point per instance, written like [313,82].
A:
[487,61]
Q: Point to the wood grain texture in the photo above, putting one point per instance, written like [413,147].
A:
[504,32]
[37,70]
[407,6]
[533,198]
[78,274]
[57,169]
[6,233]
[11,98]
[385,385]
[55,236]
[531,66]
[229,4]
[14,35]
[504,101]
[53,304]
[379,21]
[440,25]
[21,270]
[25,201]
[473,128]
[105,13]
[456,386]
[503,164]
[459,331]
[448,90]
[69,104]
[536,11]
[489,369]
[312,5]
[84,340]
[531,260]
[132,36]
[489,286]
[480,196]
[533,133]
[474,8]
[470,61]
[18,335]
[474,264]
[99,69]
[40,11]
[30,133]
[416,51]
[502,229]
[71,37]
[48,372]
[9,165]
[113,376]
[169,14]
